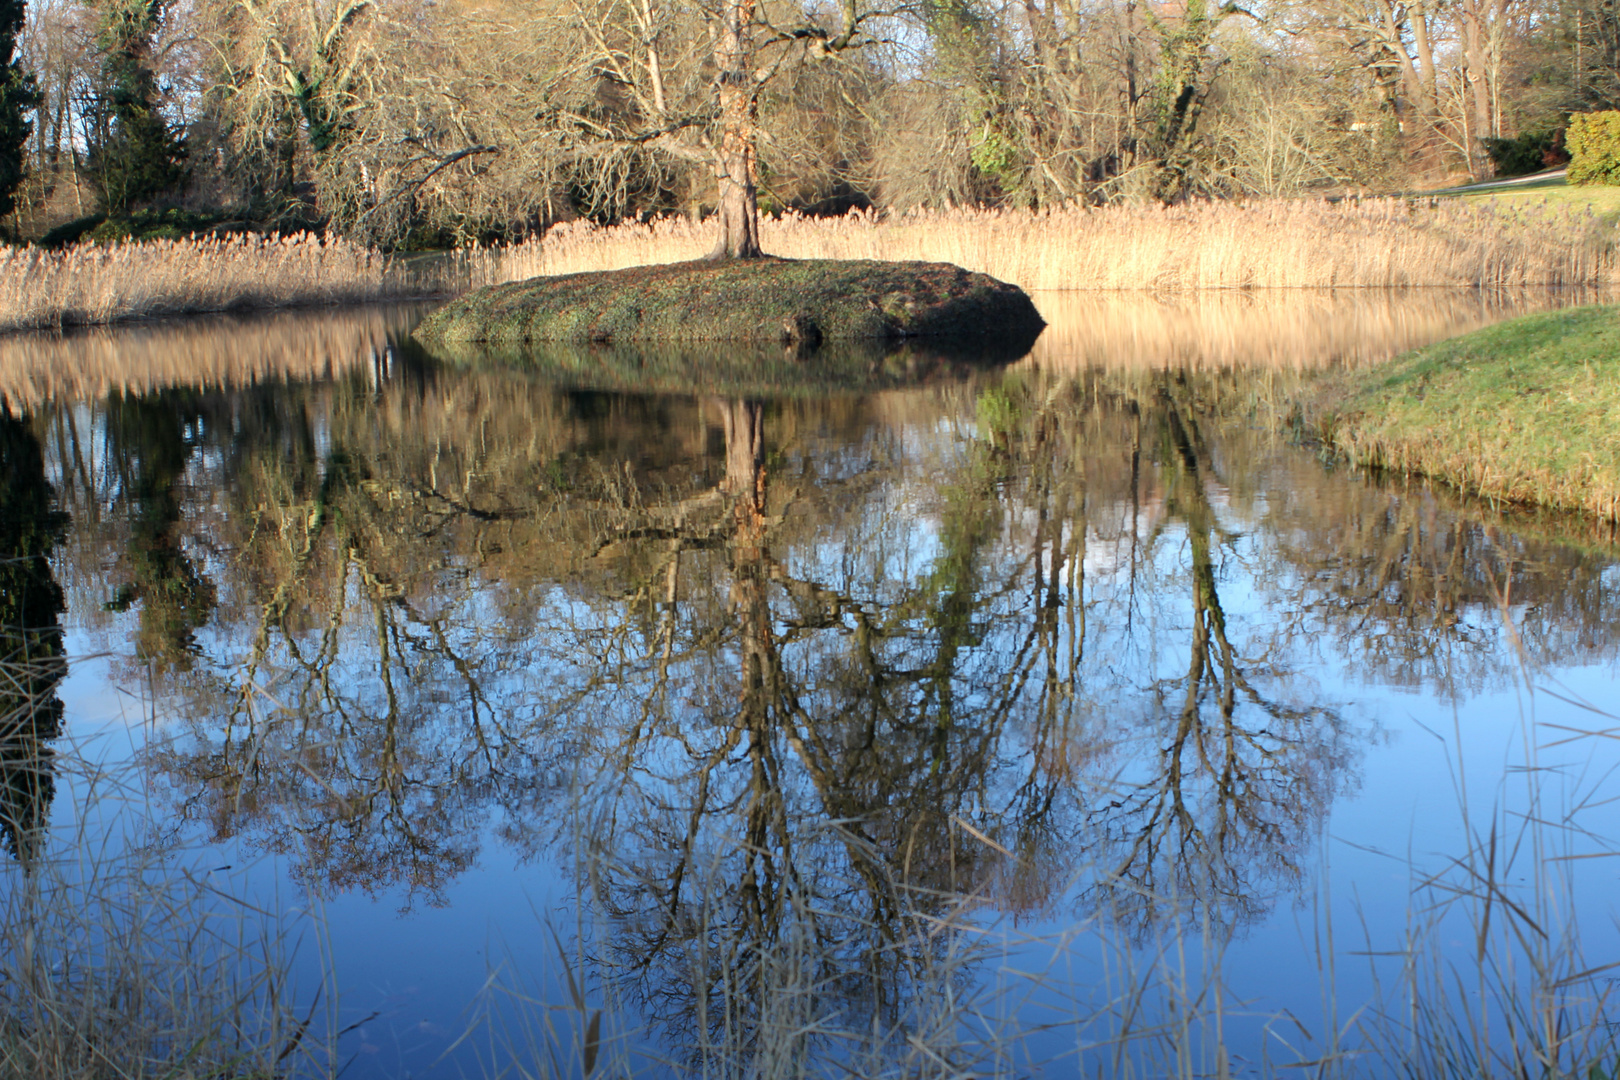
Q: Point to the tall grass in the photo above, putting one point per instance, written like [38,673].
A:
[92,283]
[1264,245]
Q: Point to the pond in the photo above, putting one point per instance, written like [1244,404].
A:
[986,717]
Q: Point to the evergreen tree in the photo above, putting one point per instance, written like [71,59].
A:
[139,156]
[17,97]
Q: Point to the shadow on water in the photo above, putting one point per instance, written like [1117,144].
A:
[799,694]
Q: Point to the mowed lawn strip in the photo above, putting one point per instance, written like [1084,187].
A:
[1527,411]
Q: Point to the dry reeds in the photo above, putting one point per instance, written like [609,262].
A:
[1262,245]
[105,283]
[1269,244]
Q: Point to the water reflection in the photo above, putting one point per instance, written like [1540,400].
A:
[219,351]
[1269,329]
[31,653]
[788,686]
[421,606]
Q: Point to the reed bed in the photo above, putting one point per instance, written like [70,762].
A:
[1260,245]
[92,283]
[1268,244]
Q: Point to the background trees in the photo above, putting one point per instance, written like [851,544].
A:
[134,153]
[17,98]
[419,123]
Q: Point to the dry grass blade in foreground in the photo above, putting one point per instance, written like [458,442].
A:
[1280,243]
[104,283]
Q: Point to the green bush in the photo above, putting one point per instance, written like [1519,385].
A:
[72,232]
[1527,152]
[172,224]
[1593,141]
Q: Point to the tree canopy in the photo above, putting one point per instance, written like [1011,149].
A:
[416,123]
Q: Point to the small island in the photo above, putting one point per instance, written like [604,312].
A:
[800,302]
[739,293]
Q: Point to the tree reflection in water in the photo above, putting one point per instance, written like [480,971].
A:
[31,653]
[797,689]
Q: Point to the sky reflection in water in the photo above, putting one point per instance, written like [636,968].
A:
[798,692]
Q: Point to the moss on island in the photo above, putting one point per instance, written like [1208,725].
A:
[1527,411]
[760,301]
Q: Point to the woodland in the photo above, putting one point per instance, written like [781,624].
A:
[416,124]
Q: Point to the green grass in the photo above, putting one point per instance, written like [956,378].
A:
[1553,192]
[1527,411]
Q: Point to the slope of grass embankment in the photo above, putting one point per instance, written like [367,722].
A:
[1545,193]
[1527,411]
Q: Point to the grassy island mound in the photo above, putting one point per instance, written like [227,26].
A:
[1527,411]
[757,300]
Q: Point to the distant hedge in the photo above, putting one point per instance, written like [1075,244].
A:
[1593,142]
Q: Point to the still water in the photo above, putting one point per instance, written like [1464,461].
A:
[979,717]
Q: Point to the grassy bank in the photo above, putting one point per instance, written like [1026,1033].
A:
[1543,193]
[1527,411]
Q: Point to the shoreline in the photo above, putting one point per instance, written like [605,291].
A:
[1525,412]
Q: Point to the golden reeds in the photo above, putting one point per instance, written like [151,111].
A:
[1261,245]
[103,283]
[1277,243]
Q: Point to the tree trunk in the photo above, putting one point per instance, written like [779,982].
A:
[1430,102]
[1478,79]
[739,117]
[1393,25]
